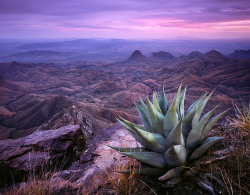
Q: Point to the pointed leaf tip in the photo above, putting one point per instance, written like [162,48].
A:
[156,119]
[156,103]
[122,149]
[210,125]
[207,143]
[150,158]
[163,102]
[172,173]
[193,139]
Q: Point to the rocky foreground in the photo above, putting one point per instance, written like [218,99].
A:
[79,166]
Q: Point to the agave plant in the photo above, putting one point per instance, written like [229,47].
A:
[170,138]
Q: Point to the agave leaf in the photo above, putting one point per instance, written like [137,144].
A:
[163,102]
[156,119]
[172,173]
[207,143]
[133,133]
[196,103]
[144,107]
[199,111]
[132,125]
[154,141]
[176,156]
[193,139]
[175,137]
[143,104]
[140,127]
[187,121]
[156,103]
[181,104]
[210,125]
[121,149]
[187,124]
[171,118]
[150,158]
[192,106]
[145,171]
[143,116]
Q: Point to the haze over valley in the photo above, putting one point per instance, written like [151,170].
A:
[111,50]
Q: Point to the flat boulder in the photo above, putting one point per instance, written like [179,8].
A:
[19,157]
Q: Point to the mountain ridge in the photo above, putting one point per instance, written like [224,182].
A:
[106,90]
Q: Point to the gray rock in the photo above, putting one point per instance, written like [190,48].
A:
[98,162]
[59,147]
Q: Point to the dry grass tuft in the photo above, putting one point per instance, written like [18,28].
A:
[42,182]
[128,184]
[235,170]
[35,185]
[242,121]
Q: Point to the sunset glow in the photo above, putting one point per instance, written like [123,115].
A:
[125,19]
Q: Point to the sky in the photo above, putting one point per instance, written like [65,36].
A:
[126,19]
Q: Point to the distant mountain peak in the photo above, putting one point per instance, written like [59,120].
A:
[240,54]
[213,54]
[195,54]
[136,55]
[163,55]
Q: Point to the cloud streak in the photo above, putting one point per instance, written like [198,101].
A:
[125,19]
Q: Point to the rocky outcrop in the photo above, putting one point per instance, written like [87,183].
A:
[69,116]
[98,162]
[136,55]
[56,148]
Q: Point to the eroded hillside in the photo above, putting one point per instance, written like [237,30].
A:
[44,96]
